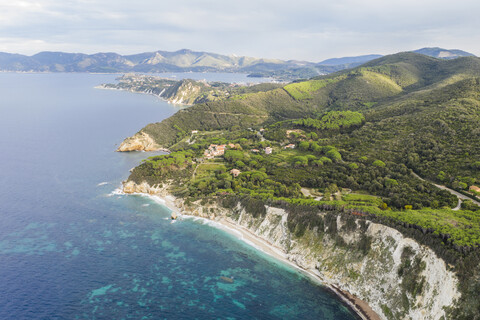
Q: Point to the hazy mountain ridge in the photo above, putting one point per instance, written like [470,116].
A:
[337,64]
[159,61]
[444,53]
[187,60]
[349,60]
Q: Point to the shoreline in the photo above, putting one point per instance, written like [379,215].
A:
[359,307]
[178,104]
[356,305]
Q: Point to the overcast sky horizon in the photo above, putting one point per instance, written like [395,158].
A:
[300,30]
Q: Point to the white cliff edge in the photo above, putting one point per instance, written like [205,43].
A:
[373,277]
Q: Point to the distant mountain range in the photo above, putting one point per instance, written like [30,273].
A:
[444,53]
[349,60]
[337,64]
[187,60]
[159,61]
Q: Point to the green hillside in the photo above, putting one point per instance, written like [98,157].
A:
[379,83]
[416,111]
[370,141]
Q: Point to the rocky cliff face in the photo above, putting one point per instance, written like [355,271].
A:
[396,276]
[139,142]
[185,92]
[132,187]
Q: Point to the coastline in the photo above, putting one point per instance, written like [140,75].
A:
[358,306]
[178,104]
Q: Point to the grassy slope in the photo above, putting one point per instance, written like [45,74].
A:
[375,83]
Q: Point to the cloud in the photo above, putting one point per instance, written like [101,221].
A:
[301,29]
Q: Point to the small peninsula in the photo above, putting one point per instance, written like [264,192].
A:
[186,91]
[350,175]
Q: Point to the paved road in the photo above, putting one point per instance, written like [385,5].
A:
[459,195]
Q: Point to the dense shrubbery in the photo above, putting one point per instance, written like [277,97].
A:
[333,120]
[303,90]
[158,169]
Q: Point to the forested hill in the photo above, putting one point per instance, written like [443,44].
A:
[370,139]
[418,109]
[376,83]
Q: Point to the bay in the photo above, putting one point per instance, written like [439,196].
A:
[71,248]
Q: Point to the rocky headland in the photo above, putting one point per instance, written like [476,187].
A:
[141,141]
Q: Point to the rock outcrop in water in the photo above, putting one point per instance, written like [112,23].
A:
[141,141]
[396,276]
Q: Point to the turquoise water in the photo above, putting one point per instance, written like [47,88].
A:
[70,248]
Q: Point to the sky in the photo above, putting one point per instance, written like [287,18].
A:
[311,30]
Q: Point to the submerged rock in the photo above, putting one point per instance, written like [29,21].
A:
[226,279]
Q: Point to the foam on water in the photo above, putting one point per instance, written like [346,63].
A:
[117,192]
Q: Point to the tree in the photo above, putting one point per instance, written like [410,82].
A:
[379,163]
[334,155]
[391,182]
[300,161]
[441,176]
[234,155]
[240,164]
[304,145]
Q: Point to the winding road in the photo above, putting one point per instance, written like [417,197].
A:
[455,193]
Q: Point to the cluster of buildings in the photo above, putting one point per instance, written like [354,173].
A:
[215,150]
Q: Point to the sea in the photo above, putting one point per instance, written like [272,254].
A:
[73,247]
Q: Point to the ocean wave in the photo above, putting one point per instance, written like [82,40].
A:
[116,192]
[102,183]
[156,199]
[218,225]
